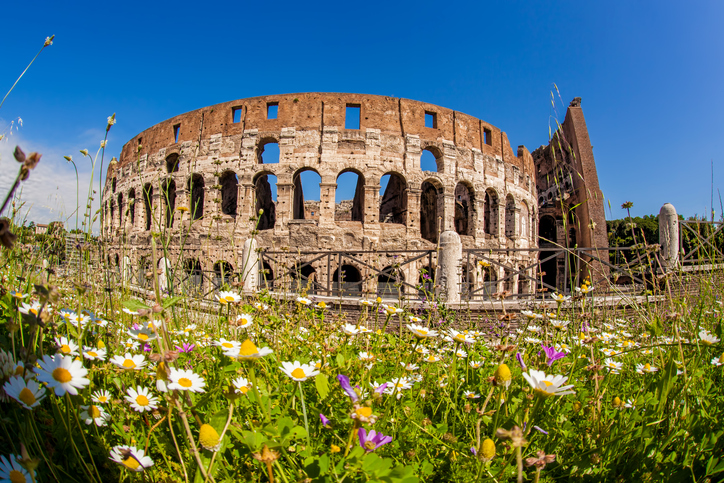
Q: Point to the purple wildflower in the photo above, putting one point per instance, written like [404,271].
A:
[473,451]
[379,390]
[344,382]
[324,419]
[552,354]
[519,356]
[372,440]
[186,347]
[538,428]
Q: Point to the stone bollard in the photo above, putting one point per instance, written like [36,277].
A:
[451,253]
[669,236]
[250,266]
[163,275]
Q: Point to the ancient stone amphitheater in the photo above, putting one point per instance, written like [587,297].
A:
[201,178]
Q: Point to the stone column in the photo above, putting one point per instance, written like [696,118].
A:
[250,266]
[327,205]
[669,236]
[451,253]
[163,275]
[372,203]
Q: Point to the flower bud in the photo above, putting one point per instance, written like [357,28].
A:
[616,402]
[503,377]
[487,452]
[209,438]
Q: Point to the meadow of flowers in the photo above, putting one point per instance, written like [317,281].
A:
[102,385]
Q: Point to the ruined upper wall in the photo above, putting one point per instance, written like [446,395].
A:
[316,111]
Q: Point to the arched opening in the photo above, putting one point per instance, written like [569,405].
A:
[144,268]
[229,192]
[304,279]
[547,230]
[120,210]
[524,221]
[431,160]
[223,272]
[306,181]
[464,210]
[467,282]
[172,162]
[132,206]
[548,235]
[393,199]
[196,189]
[194,276]
[351,281]
[169,198]
[265,189]
[426,282]
[490,217]
[113,184]
[113,213]
[148,204]
[429,212]
[388,282]
[346,208]
[509,217]
[268,152]
[489,281]
[266,277]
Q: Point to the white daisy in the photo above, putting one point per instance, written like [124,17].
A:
[421,332]
[303,301]
[244,321]
[92,353]
[62,374]
[227,345]
[645,368]
[130,457]
[457,336]
[66,346]
[298,372]
[613,366]
[94,414]
[129,362]
[141,399]
[350,329]
[28,394]
[476,364]
[185,380]
[28,309]
[227,297]
[241,384]
[707,337]
[13,472]
[247,350]
[101,397]
[547,385]
[471,395]
[144,335]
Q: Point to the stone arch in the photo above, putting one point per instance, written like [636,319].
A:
[223,273]
[229,182]
[132,206]
[298,210]
[273,150]
[490,217]
[355,212]
[264,201]
[464,209]
[304,277]
[388,281]
[426,159]
[148,204]
[168,191]
[510,209]
[351,283]
[196,198]
[430,209]
[393,202]
[172,163]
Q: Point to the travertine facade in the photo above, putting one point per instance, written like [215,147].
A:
[211,161]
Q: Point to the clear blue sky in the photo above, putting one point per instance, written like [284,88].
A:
[650,75]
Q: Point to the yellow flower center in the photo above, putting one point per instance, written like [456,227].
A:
[141,400]
[94,412]
[92,354]
[227,345]
[129,364]
[102,399]
[27,396]
[364,412]
[143,336]
[647,367]
[422,332]
[244,389]
[65,349]
[248,349]
[131,462]
[318,365]
[208,437]
[17,477]
[431,359]
[185,382]
[19,371]
[298,373]
[62,375]
[548,383]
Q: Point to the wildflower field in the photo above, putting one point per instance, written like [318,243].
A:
[108,386]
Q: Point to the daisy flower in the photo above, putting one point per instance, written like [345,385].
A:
[247,350]
[227,345]
[461,353]
[28,394]
[364,330]
[717,361]
[457,336]
[476,364]
[62,374]
[28,309]
[18,294]
[227,297]
[186,380]
[141,399]
[613,366]
[130,457]
[101,397]
[645,368]
[584,289]
[298,372]
[144,335]
[12,471]
[129,362]
[92,353]
[707,337]
[241,384]
[409,367]
[432,358]
[421,332]
[398,385]
[303,301]
[559,324]
[66,346]
[94,414]
[366,303]
[350,329]
[531,315]
[547,385]
[471,395]
[560,298]
[415,320]
[131,344]
[244,321]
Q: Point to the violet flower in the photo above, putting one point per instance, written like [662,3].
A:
[324,419]
[538,428]
[519,357]
[552,354]
[381,388]
[186,347]
[372,440]
[344,382]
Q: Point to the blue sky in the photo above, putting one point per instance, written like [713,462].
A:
[650,75]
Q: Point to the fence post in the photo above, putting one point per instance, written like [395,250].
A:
[250,266]
[669,236]
[451,253]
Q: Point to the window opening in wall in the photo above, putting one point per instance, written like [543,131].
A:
[488,136]
[113,185]
[112,221]
[393,199]
[490,281]
[490,217]
[304,279]
[169,195]
[428,161]
[176,130]
[172,162]
[196,190]
[306,195]
[467,282]
[148,203]
[431,119]
[132,206]
[223,273]
[269,153]
[349,197]
[265,189]
[351,281]
[509,217]
[352,116]
[194,276]
[229,192]
[272,110]
[266,277]
[388,282]
[464,210]
[236,115]
[428,212]
[120,210]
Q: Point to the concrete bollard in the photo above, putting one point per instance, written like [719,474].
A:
[451,254]
[163,276]
[250,266]
[669,236]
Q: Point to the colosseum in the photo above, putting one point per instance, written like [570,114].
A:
[413,171]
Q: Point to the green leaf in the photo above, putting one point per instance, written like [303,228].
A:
[171,301]
[321,382]
[135,305]
[340,360]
